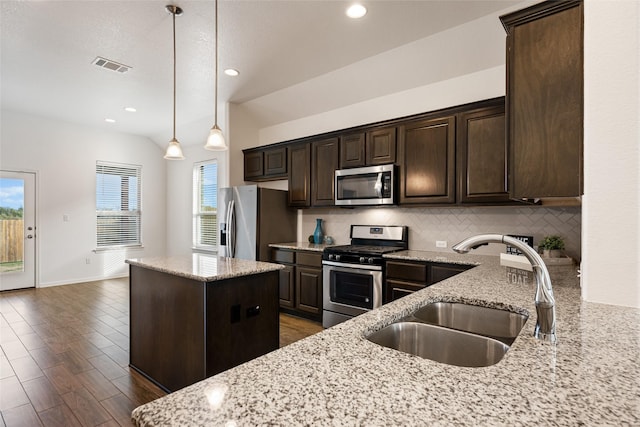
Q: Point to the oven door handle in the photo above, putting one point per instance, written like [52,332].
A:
[353,267]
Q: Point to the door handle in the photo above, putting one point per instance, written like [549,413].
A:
[29,236]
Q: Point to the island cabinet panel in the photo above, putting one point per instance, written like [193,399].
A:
[545,99]
[183,331]
[482,155]
[426,152]
[299,164]
[324,162]
[167,328]
[242,320]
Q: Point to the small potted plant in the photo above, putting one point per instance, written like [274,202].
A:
[552,246]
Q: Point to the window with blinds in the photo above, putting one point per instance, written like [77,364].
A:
[118,211]
[205,206]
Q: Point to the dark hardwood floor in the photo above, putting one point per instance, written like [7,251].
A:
[65,356]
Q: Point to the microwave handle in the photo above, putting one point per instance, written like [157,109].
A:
[378,185]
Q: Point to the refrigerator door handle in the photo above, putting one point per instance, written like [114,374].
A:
[231,229]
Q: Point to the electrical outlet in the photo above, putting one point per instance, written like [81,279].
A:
[87,260]
[441,243]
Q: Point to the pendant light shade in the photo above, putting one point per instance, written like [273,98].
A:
[215,141]
[174,151]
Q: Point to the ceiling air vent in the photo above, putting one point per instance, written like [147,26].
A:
[110,65]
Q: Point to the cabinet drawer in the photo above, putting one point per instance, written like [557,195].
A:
[397,289]
[441,272]
[284,256]
[407,271]
[309,258]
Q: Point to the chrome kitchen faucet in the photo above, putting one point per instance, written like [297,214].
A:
[545,303]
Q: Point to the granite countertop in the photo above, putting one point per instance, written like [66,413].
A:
[337,377]
[204,267]
[300,246]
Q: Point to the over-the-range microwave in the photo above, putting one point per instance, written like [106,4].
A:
[371,185]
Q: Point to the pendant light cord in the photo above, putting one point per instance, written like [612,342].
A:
[173,12]
[215,101]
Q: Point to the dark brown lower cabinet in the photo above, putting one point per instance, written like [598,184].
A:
[183,331]
[300,282]
[406,277]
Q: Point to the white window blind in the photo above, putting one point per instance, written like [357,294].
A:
[205,209]
[118,205]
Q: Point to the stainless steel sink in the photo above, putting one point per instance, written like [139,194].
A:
[441,344]
[454,333]
[491,322]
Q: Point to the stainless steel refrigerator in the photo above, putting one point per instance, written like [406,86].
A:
[250,218]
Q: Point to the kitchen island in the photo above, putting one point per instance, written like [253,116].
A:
[194,316]
[338,377]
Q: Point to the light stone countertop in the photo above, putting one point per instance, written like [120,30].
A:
[337,377]
[300,246]
[204,267]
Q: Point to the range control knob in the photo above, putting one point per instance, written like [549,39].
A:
[337,257]
[362,260]
[370,260]
[331,256]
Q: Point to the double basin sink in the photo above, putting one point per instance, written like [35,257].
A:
[454,333]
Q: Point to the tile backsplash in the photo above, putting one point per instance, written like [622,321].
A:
[426,225]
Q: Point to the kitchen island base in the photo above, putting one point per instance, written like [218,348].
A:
[184,330]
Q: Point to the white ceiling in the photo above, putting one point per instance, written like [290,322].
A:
[47,49]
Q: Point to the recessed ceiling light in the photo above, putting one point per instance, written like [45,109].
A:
[130,109]
[231,72]
[356,11]
[109,120]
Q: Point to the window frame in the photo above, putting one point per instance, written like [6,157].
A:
[125,240]
[198,214]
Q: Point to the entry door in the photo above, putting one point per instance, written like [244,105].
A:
[18,230]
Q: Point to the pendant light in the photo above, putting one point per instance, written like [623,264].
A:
[215,141]
[174,151]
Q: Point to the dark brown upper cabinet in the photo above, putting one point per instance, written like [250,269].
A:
[299,165]
[352,150]
[324,162]
[265,164]
[545,99]
[373,147]
[482,154]
[253,165]
[381,146]
[426,155]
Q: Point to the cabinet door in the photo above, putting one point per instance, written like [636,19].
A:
[309,289]
[324,164]
[287,286]
[381,146]
[545,100]
[253,165]
[275,161]
[352,151]
[482,155]
[427,161]
[299,165]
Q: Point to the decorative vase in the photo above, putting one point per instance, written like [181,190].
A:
[317,234]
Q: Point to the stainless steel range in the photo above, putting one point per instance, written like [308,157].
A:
[352,274]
